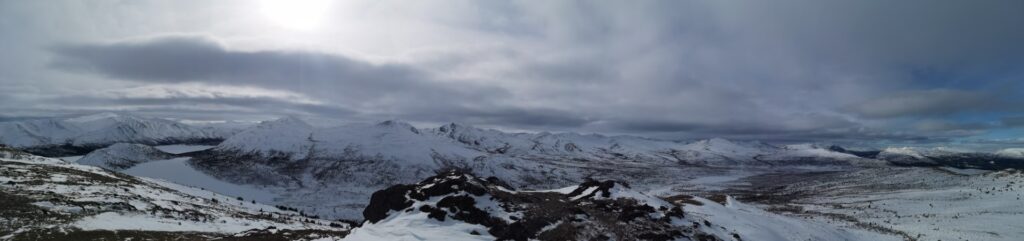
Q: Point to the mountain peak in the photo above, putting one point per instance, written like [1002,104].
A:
[286,121]
[454,127]
[717,141]
[398,124]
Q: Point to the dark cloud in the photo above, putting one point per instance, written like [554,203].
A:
[507,116]
[236,105]
[1013,121]
[857,71]
[935,102]
[183,59]
[940,125]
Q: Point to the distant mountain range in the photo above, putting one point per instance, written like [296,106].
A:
[340,172]
[306,165]
[79,135]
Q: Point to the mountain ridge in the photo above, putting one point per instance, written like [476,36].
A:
[81,134]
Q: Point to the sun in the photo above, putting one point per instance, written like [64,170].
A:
[296,14]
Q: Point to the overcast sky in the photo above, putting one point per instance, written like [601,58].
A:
[870,72]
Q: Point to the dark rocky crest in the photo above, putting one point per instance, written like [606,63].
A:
[587,213]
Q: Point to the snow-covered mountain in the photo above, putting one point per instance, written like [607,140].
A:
[49,199]
[952,157]
[353,160]
[68,136]
[458,206]
[122,156]
[405,143]
[1011,153]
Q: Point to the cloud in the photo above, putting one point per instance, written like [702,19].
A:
[946,126]
[783,70]
[180,59]
[935,102]
[382,90]
[1013,121]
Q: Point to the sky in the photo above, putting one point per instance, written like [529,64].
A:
[918,72]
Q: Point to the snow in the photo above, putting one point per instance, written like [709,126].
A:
[931,204]
[907,151]
[1011,153]
[287,135]
[345,164]
[98,129]
[752,223]
[60,186]
[178,170]
[70,158]
[119,221]
[416,226]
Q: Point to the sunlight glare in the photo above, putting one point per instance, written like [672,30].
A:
[296,14]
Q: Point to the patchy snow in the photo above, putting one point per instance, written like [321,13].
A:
[752,223]
[925,203]
[101,199]
[119,221]
[416,226]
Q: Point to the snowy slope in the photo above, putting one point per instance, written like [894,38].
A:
[753,223]
[63,135]
[288,135]
[80,198]
[920,203]
[122,156]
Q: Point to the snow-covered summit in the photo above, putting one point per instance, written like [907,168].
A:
[287,136]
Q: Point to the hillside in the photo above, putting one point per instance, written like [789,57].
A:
[458,206]
[122,156]
[49,199]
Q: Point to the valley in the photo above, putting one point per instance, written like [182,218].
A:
[335,173]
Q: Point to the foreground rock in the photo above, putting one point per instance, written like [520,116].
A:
[457,206]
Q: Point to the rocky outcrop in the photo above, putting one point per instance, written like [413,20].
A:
[593,210]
